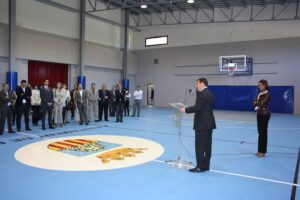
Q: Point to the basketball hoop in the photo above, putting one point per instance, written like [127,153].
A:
[231,68]
[231,71]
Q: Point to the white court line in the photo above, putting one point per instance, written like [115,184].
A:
[160,121]
[237,127]
[242,175]
[32,135]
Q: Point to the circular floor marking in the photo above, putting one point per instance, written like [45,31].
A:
[89,152]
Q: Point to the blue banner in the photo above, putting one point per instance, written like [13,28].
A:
[240,98]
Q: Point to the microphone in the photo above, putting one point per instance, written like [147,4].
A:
[188,93]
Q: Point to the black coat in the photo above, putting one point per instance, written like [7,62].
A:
[262,102]
[5,99]
[102,97]
[120,96]
[204,117]
[21,95]
[46,96]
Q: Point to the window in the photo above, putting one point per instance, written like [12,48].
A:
[154,41]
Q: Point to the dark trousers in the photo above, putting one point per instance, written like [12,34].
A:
[82,109]
[6,113]
[103,107]
[112,108]
[46,109]
[36,115]
[23,109]
[119,111]
[262,126]
[203,145]
[126,108]
[73,107]
[14,114]
[64,114]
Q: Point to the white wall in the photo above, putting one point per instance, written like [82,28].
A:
[186,35]
[211,33]
[50,34]
[276,60]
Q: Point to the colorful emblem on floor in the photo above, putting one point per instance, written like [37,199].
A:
[89,152]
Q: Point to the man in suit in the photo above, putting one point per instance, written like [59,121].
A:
[6,103]
[93,103]
[47,99]
[204,123]
[81,97]
[120,101]
[73,107]
[23,104]
[104,96]
[112,102]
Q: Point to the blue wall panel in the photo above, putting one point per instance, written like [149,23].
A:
[241,98]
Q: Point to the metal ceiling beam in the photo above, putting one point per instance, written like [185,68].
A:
[70,9]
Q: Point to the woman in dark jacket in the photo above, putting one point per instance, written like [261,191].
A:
[261,106]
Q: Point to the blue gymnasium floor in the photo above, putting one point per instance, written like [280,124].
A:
[235,172]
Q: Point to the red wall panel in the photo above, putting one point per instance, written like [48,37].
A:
[39,71]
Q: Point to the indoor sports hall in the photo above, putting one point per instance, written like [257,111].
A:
[149,99]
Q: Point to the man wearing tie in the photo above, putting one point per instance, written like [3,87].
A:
[204,123]
[93,103]
[120,101]
[6,102]
[104,96]
[81,97]
[47,104]
[23,104]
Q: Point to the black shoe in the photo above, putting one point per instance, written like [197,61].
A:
[67,122]
[1,133]
[80,124]
[18,130]
[51,127]
[117,121]
[197,169]
[121,121]
[106,120]
[28,129]
[87,124]
[97,120]
[132,116]
[11,131]
[43,128]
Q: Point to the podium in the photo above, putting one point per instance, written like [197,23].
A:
[180,162]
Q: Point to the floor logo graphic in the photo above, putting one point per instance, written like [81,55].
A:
[89,152]
[81,147]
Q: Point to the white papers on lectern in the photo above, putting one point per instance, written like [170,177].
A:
[178,105]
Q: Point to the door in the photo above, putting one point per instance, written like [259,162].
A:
[39,71]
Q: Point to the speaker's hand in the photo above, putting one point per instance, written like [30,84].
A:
[182,109]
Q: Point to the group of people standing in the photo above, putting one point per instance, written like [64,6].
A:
[43,101]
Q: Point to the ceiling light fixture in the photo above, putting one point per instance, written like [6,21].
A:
[144,5]
[190,1]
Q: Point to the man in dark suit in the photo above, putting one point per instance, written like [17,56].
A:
[81,98]
[47,99]
[6,102]
[23,104]
[104,97]
[204,123]
[112,102]
[120,101]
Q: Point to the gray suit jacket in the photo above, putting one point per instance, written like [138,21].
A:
[93,97]
[83,99]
